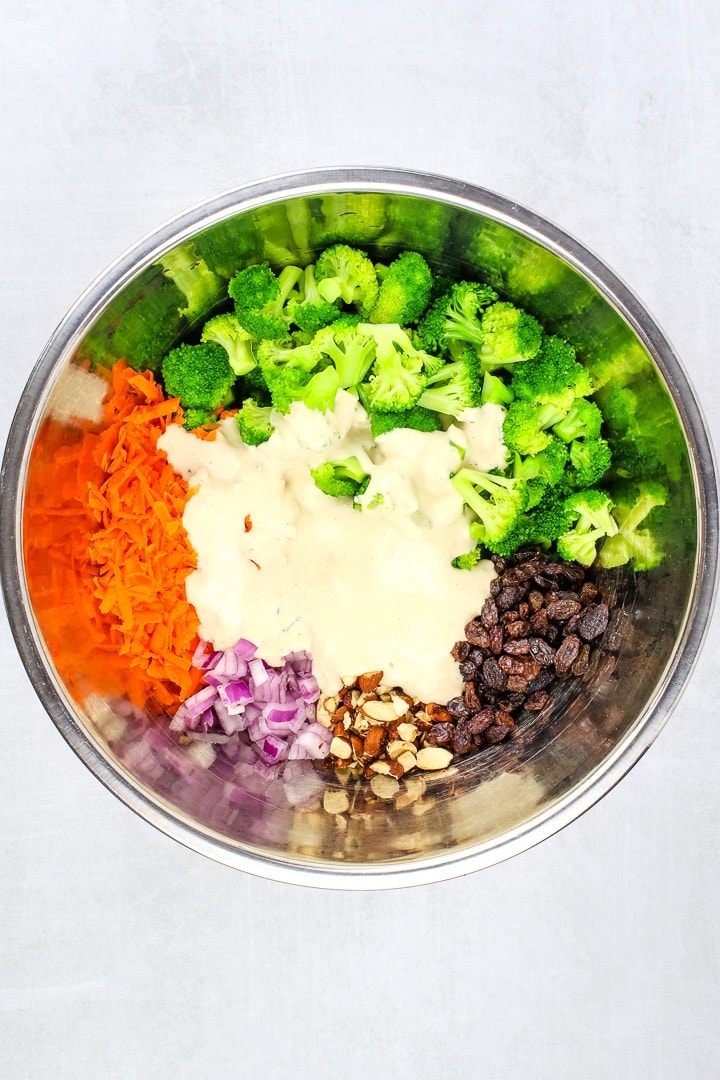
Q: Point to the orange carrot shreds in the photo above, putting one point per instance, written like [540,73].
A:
[106,552]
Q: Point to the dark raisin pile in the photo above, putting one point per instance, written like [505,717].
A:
[538,626]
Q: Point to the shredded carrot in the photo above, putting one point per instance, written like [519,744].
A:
[106,553]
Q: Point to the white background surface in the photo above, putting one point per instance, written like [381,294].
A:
[594,956]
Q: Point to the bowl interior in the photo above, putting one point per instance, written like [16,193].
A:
[486,807]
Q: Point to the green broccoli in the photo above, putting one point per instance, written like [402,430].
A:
[552,377]
[416,418]
[320,391]
[397,379]
[497,501]
[525,427]
[261,299]
[509,336]
[549,519]
[455,387]
[225,330]
[351,351]
[542,470]
[590,460]
[404,290]
[341,478]
[201,377]
[630,541]
[582,421]
[456,317]
[308,310]
[272,353]
[591,510]
[495,390]
[346,273]
[253,422]
[201,288]
[253,385]
[468,560]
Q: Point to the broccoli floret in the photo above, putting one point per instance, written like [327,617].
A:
[630,541]
[144,333]
[284,354]
[225,330]
[404,290]
[398,377]
[497,501]
[320,391]
[525,427]
[509,336]
[253,422]
[253,386]
[341,478]
[590,460]
[201,288]
[552,377]
[542,470]
[346,273]
[351,351]
[287,371]
[549,519]
[456,317]
[583,421]
[261,299]
[201,377]
[468,560]
[308,310]
[455,387]
[594,522]
[417,418]
[495,391]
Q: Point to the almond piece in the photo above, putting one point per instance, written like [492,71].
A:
[432,757]
[437,713]
[374,741]
[369,681]
[380,711]
[407,760]
[398,747]
[400,705]
[342,749]
[381,767]
[407,732]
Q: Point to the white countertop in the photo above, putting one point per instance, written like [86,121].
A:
[595,955]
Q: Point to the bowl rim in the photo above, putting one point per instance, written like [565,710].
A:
[454,862]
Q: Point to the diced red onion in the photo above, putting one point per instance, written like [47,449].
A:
[246,699]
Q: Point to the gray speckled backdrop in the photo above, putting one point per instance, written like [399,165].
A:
[596,955]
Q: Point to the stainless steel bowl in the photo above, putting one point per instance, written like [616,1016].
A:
[489,807]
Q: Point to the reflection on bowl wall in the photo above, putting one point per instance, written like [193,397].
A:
[485,808]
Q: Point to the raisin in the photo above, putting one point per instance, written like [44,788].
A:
[457,707]
[560,610]
[566,655]
[492,674]
[537,700]
[582,663]
[489,614]
[593,622]
[460,650]
[482,720]
[440,734]
[476,634]
[517,646]
[541,651]
[497,638]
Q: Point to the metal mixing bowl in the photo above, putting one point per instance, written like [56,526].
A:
[488,807]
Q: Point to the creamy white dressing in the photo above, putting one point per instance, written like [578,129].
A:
[289,567]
